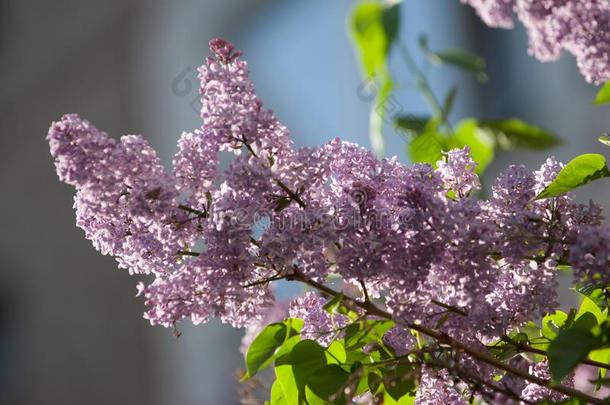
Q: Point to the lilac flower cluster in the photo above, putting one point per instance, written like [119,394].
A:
[535,393]
[415,236]
[581,27]
[318,324]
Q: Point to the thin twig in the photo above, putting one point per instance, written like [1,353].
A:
[450,308]
[264,281]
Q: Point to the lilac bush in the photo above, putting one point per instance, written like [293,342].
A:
[580,27]
[424,286]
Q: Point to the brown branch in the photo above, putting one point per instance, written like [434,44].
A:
[202,214]
[187,253]
[249,147]
[527,348]
[294,196]
[497,388]
[444,338]
[264,281]
[364,290]
[450,308]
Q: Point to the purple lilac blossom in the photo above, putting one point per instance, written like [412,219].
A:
[400,340]
[437,387]
[458,172]
[534,392]
[483,267]
[580,27]
[318,324]
[590,254]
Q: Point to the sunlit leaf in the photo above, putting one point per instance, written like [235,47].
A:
[579,171]
[277,394]
[335,353]
[285,377]
[261,351]
[514,133]
[589,306]
[602,356]
[551,323]
[603,95]
[428,146]
[294,369]
[374,26]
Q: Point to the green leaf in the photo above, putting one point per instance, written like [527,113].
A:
[458,58]
[374,26]
[335,353]
[328,381]
[261,351]
[294,325]
[513,133]
[602,356]
[588,306]
[361,333]
[603,95]
[568,350]
[287,346]
[581,170]
[455,57]
[407,399]
[374,381]
[551,324]
[604,139]
[377,117]
[333,306]
[400,381]
[390,19]
[288,383]
[362,386]
[427,147]
[595,293]
[277,394]
[294,368]
[313,399]
[585,321]
[415,124]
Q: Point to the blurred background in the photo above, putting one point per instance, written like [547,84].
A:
[71,330]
